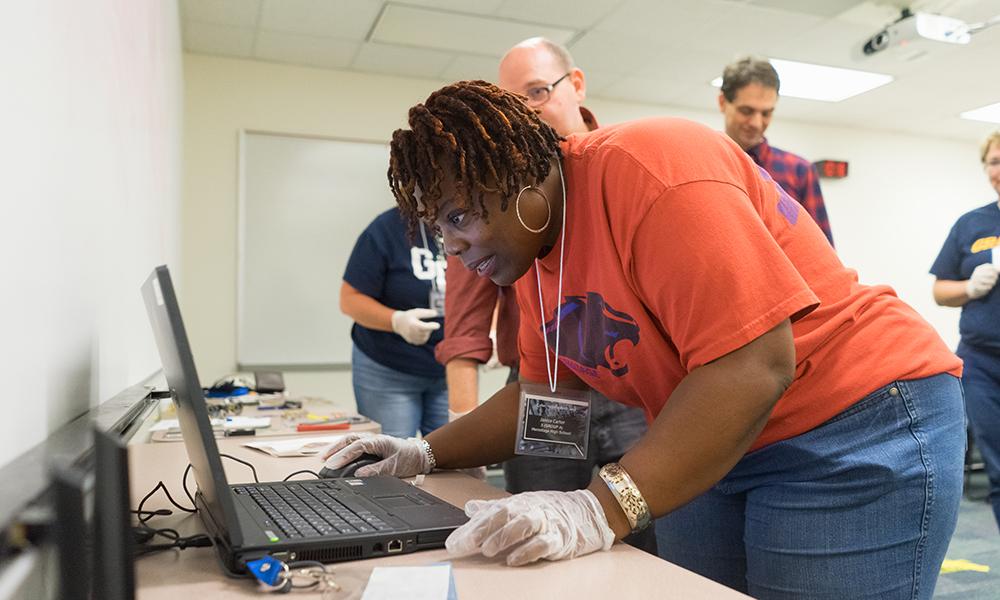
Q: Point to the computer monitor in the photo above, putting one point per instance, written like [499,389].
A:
[113,568]
[93,525]
[72,489]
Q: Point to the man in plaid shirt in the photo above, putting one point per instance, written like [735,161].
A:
[749,94]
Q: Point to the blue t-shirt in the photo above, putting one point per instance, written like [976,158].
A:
[970,244]
[387,267]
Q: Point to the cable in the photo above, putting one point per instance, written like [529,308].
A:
[313,473]
[243,462]
[145,515]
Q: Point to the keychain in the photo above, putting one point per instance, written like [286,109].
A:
[274,575]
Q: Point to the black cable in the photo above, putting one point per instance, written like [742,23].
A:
[313,473]
[145,515]
[243,462]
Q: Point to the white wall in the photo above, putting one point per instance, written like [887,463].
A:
[91,202]
[889,217]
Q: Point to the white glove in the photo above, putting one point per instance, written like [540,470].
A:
[409,325]
[401,457]
[984,277]
[533,526]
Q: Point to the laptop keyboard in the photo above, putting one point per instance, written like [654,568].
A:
[315,510]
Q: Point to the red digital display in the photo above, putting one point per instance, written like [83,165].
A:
[831,169]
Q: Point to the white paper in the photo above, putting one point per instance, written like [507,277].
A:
[227,423]
[412,583]
[306,446]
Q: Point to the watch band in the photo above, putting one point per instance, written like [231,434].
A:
[429,454]
[628,496]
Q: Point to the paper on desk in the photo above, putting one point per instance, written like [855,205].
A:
[227,423]
[433,582]
[297,446]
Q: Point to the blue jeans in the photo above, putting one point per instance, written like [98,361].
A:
[400,402]
[614,429]
[981,380]
[863,506]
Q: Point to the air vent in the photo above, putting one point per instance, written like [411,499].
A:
[330,554]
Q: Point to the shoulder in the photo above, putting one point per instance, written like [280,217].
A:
[671,150]
[790,158]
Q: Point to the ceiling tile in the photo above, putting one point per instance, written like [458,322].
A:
[471,67]
[642,89]
[400,60]
[479,7]
[819,8]
[235,13]
[206,38]
[611,51]
[414,26]
[305,50]
[565,13]
[346,19]
[660,22]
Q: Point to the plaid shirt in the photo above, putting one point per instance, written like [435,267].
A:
[796,176]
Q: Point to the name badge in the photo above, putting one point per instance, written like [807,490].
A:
[553,425]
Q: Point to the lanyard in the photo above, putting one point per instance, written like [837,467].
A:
[553,370]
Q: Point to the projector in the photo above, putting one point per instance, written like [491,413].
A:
[909,34]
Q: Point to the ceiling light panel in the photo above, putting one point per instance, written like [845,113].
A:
[989,113]
[444,30]
[820,82]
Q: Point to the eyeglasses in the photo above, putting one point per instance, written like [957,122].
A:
[539,95]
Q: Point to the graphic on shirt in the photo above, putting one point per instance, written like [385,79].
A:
[593,334]
[984,243]
[427,266]
[787,205]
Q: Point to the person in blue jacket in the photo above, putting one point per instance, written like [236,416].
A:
[966,271]
[394,290]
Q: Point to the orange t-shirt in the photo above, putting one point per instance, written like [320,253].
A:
[679,250]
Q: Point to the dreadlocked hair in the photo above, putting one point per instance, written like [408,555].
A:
[487,136]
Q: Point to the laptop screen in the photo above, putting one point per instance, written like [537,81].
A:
[114,573]
[192,412]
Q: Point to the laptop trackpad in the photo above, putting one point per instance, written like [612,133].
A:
[418,513]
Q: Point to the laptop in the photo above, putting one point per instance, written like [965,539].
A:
[323,520]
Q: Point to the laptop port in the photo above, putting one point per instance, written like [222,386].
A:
[395,546]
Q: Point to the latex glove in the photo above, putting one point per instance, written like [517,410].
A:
[401,457]
[984,277]
[533,526]
[409,325]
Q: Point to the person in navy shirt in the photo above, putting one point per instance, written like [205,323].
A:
[966,271]
[389,285]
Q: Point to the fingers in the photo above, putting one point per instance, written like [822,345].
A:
[346,454]
[339,444]
[424,313]
[543,545]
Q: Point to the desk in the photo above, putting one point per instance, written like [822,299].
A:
[195,574]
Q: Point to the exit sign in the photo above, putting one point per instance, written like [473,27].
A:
[831,169]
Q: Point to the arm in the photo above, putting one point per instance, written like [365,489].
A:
[463,384]
[364,309]
[948,292]
[711,419]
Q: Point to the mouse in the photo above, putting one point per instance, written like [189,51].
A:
[349,469]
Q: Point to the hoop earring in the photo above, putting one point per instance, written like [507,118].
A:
[517,209]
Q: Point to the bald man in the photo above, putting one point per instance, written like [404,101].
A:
[544,72]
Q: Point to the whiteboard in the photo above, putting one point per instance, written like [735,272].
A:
[303,202]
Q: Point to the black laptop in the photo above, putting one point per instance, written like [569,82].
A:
[324,520]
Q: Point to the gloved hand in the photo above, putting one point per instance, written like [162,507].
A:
[533,526]
[984,277]
[409,325]
[401,457]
